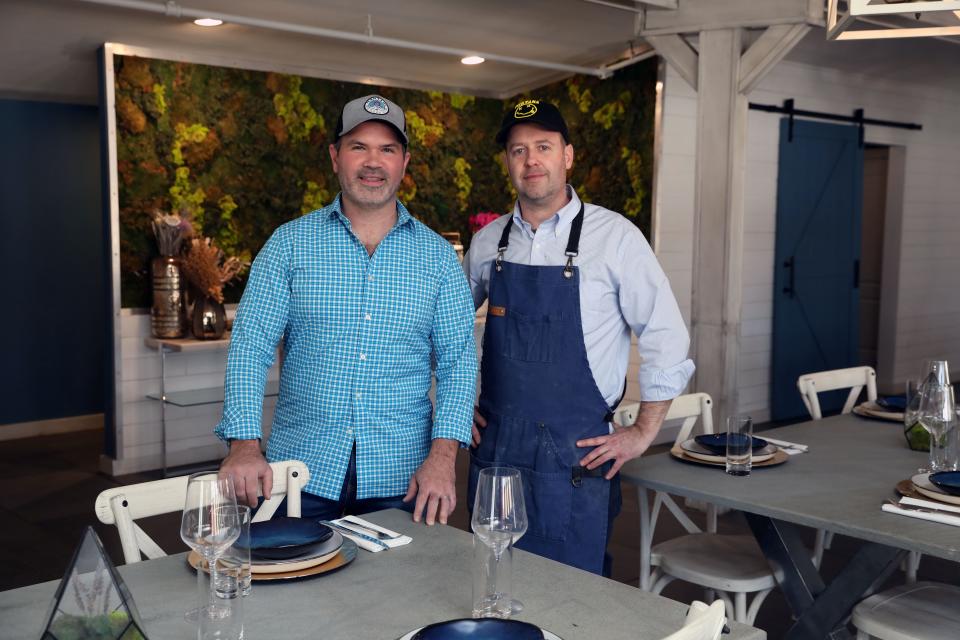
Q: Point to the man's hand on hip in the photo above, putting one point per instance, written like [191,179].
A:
[626,443]
[479,422]
[434,483]
[248,468]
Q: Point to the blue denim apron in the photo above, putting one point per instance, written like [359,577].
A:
[539,397]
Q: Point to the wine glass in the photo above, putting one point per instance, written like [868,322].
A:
[937,412]
[499,520]
[210,524]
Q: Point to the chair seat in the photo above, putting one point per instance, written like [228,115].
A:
[919,611]
[732,563]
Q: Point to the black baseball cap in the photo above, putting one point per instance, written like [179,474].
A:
[535,111]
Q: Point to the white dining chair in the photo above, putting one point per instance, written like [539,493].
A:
[732,566]
[703,622]
[917,611]
[122,506]
[854,378]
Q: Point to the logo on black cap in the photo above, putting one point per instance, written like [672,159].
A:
[525,109]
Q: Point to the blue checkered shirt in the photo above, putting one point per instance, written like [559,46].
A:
[358,335]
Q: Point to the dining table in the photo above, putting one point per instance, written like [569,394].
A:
[385,595]
[851,468]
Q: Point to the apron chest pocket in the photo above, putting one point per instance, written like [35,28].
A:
[533,338]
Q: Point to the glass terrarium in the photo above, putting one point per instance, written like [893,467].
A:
[92,601]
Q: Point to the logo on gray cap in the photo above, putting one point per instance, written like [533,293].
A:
[376,105]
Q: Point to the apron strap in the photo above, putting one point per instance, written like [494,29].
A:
[573,244]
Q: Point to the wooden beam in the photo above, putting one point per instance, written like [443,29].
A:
[681,56]
[718,222]
[767,51]
[694,16]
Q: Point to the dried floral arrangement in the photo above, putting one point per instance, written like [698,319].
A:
[208,269]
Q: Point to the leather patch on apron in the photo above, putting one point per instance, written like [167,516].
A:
[497,311]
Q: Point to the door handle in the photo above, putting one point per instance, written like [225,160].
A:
[790,264]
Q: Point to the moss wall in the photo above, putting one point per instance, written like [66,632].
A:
[244,151]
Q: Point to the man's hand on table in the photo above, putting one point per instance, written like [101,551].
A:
[626,442]
[248,468]
[434,483]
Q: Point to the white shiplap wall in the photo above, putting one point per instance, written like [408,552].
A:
[927,307]
[190,436]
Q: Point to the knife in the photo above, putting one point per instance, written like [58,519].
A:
[345,529]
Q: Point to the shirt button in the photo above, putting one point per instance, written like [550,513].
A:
[363,356]
[349,430]
[370,278]
[368,317]
[357,395]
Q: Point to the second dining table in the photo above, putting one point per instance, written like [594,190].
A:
[851,468]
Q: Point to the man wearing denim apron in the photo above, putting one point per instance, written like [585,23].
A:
[566,283]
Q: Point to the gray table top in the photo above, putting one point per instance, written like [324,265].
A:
[384,595]
[850,470]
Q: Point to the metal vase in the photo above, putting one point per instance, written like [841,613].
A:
[166,315]
[209,319]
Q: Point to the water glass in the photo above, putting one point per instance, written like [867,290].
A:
[739,445]
[233,571]
[492,581]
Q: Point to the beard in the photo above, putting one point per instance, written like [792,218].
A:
[369,196]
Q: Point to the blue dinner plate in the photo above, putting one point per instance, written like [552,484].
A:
[283,538]
[717,442]
[892,403]
[482,629]
[949,481]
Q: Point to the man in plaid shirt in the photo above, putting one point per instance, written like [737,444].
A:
[363,296]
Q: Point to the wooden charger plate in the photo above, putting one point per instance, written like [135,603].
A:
[910,489]
[778,458]
[346,555]
[873,410]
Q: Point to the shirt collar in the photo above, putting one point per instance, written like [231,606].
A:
[336,209]
[561,220]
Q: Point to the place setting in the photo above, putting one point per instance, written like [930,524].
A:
[934,494]
[737,450]
[499,519]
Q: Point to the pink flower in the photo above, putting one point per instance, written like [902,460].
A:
[481,219]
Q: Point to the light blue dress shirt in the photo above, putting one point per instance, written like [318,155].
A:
[358,335]
[622,288]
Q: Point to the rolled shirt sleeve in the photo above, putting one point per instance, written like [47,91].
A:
[650,308]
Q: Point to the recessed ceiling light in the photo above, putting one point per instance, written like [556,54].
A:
[207,22]
[471,60]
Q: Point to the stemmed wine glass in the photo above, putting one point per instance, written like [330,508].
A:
[499,520]
[210,524]
[937,412]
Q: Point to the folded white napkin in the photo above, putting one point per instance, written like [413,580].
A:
[929,504]
[790,448]
[943,518]
[366,544]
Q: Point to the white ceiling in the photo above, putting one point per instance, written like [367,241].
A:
[48,47]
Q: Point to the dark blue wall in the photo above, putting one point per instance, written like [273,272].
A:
[53,315]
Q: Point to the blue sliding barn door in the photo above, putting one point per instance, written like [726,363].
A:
[817,259]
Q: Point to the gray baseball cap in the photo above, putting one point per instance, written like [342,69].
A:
[372,107]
